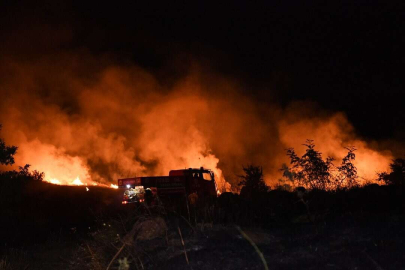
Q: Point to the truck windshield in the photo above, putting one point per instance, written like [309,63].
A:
[207,176]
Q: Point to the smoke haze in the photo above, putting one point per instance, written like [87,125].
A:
[76,115]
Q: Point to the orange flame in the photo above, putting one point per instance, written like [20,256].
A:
[113,186]
[54,181]
[77,182]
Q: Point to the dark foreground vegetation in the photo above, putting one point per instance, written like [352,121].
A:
[46,226]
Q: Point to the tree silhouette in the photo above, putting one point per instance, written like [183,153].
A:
[347,176]
[310,170]
[34,175]
[6,152]
[252,181]
[7,158]
[397,174]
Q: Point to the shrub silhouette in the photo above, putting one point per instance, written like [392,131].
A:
[7,158]
[24,174]
[6,153]
[311,171]
[347,176]
[252,182]
[396,176]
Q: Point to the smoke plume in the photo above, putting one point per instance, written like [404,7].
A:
[76,115]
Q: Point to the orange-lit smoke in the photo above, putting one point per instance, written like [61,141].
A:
[331,135]
[75,117]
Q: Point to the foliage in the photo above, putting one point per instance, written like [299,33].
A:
[311,171]
[6,153]
[34,175]
[24,173]
[7,158]
[347,176]
[397,174]
[252,182]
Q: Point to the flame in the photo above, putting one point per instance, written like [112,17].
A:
[54,181]
[77,182]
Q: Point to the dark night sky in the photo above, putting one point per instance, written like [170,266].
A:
[346,56]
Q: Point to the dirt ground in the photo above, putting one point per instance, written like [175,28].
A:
[350,243]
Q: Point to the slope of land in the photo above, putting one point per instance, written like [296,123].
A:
[54,227]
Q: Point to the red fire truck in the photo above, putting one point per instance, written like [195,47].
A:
[199,183]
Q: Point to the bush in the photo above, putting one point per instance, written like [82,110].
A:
[23,174]
[252,182]
[6,153]
[396,176]
[311,171]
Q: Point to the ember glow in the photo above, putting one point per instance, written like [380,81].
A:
[91,127]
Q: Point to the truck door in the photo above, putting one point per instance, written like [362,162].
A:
[208,184]
[195,183]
